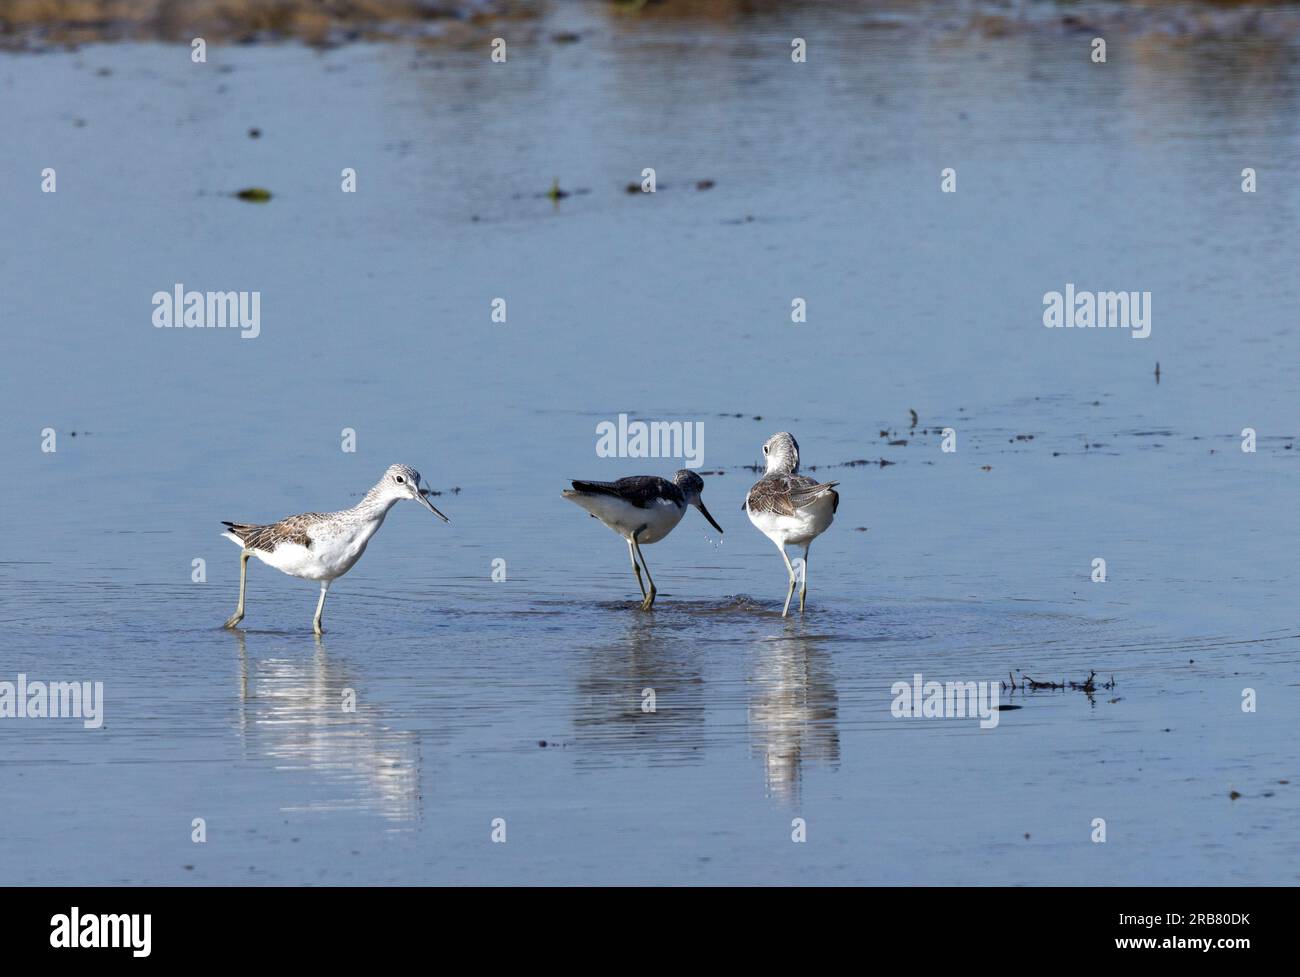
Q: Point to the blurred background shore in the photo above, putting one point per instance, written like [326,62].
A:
[34,25]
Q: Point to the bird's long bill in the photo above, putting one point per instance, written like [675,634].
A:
[429,505]
[705,513]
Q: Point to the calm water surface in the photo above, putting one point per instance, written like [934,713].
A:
[375,317]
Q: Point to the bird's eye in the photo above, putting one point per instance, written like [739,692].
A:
[400,480]
[764,449]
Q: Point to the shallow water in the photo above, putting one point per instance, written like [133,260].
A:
[375,316]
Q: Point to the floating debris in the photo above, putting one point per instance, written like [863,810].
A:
[915,418]
[1088,686]
[704,184]
[254,133]
[255,195]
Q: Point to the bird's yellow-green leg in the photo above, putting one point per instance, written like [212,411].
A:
[793,580]
[243,579]
[650,597]
[320,607]
[637,567]
[803,591]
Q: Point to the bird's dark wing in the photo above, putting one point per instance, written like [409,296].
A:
[639,490]
[786,494]
[267,538]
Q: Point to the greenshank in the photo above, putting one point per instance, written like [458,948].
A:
[642,509]
[788,508]
[323,545]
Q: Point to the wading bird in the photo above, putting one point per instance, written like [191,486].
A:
[642,509]
[324,545]
[788,508]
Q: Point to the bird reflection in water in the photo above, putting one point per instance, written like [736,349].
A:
[291,712]
[609,719]
[793,711]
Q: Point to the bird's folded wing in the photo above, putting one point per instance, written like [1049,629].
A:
[786,494]
[638,490]
[267,538]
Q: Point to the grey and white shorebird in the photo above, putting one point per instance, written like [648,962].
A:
[788,508]
[324,545]
[642,509]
